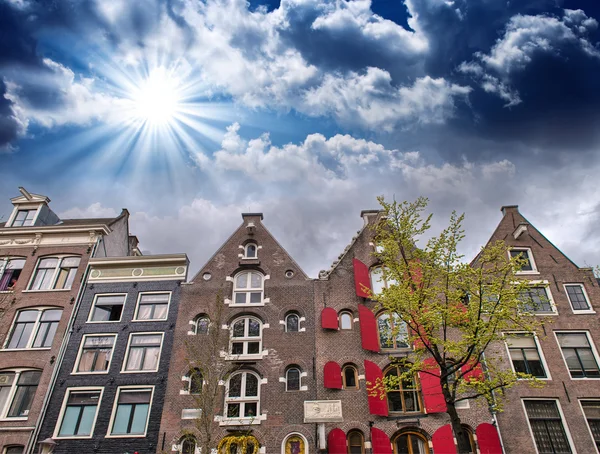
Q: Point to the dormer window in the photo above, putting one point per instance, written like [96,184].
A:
[250,251]
[528,264]
[24,218]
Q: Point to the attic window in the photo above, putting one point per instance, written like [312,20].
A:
[250,251]
[528,263]
[24,218]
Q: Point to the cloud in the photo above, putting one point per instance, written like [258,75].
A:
[95,210]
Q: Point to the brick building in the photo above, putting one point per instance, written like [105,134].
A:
[564,415]
[43,260]
[110,388]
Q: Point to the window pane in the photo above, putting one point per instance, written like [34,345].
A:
[577,297]
[350,377]
[146,339]
[151,358]
[140,415]
[524,255]
[144,312]
[292,323]
[253,328]
[345,321]
[250,409]
[293,380]
[251,385]
[255,297]
[241,281]
[87,420]
[256,280]
[238,328]
[385,331]
[233,410]
[202,325]
[21,333]
[253,348]
[122,419]
[240,298]
[235,386]
[573,340]
[15,450]
[521,341]
[377,283]
[69,421]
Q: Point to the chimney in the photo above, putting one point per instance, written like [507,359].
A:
[509,209]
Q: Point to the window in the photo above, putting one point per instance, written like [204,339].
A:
[248,288]
[95,353]
[143,352]
[193,382]
[24,218]
[536,300]
[393,333]
[250,251]
[525,355]
[153,306]
[356,442]
[201,324]
[14,449]
[10,270]
[292,323]
[577,297]
[292,379]
[246,337]
[17,390]
[404,396]
[547,427]
[591,410]
[578,355]
[345,320]
[528,264]
[130,414]
[34,328]
[350,377]
[55,273]
[295,444]
[235,446]
[107,308]
[378,281]
[469,432]
[410,443]
[78,414]
[242,396]
[188,445]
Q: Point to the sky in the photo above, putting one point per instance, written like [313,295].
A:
[190,112]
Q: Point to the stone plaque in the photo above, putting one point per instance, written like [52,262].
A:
[323,411]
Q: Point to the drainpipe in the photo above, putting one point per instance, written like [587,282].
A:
[29,449]
[498,429]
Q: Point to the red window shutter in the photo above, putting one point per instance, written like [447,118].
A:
[378,404]
[332,375]
[488,439]
[368,329]
[443,440]
[475,373]
[329,318]
[336,442]
[433,399]
[361,278]
[380,442]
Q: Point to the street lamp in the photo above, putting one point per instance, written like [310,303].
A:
[47,446]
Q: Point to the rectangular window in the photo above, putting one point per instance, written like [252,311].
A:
[527,257]
[525,355]
[55,273]
[577,297]
[131,412]
[107,308]
[547,427]
[536,300]
[24,218]
[10,270]
[25,385]
[153,306]
[95,353]
[143,353]
[34,328]
[591,410]
[79,413]
[578,355]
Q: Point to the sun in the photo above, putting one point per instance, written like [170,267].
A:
[157,98]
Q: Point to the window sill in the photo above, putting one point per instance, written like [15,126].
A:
[126,436]
[90,373]
[525,273]
[584,312]
[585,378]
[102,321]
[37,349]
[245,305]
[87,437]
[151,320]
[20,418]
[139,371]
[48,290]
[242,421]
[244,357]
[6,291]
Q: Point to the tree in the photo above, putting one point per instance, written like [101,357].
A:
[453,311]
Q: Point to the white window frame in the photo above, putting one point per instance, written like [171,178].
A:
[592,347]
[351,315]
[15,212]
[63,408]
[534,269]
[579,311]
[60,258]
[246,339]
[5,450]
[4,262]
[11,395]
[89,319]
[34,331]
[194,323]
[539,349]
[127,351]
[188,379]
[179,447]
[294,434]
[80,352]
[383,282]
[242,420]
[299,379]
[246,250]
[393,349]
[139,299]
[285,322]
[594,399]
[544,283]
[249,290]
[115,405]
[562,419]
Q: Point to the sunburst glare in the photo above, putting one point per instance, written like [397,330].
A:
[158,97]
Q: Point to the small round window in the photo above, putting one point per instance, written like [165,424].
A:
[206,276]
[289,274]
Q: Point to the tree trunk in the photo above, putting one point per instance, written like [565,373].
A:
[464,445]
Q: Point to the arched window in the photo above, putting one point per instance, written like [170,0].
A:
[292,323]
[34,328]
[201,324]
[410,443]
[193,381]
[17,391]
[292,379]
[356,442]
[294,444]
[402,394]
[242,396]
[471,437]
[346,320]
[378,281]
[54,273]
[246,337]
[393,333]
[15,449]
[10,270]
[350,377]
[250,251]
[238,444]
[187,445]
[248,288]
